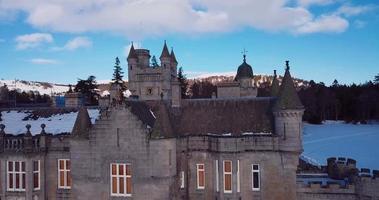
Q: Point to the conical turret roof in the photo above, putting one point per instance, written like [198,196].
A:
[82,122]
[165,53]
[244,70]
[132,52]
[287,97]
[274,86]
[173,57]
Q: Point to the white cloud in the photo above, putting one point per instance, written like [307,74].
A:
[43,61]
[307,3]
[149,18]
[348,10]
[32,40]
[137,45]
[75,43]
[325,23]
[200,74]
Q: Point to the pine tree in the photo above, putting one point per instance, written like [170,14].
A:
[376,79]
[183,83]
[88,89]
[118,74]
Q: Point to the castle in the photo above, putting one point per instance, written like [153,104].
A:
[159,146]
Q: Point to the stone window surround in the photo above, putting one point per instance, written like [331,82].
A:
[21,173]
[225,174]
[38,172]
[118,176]
[66,172]
[198,170]
[258,173]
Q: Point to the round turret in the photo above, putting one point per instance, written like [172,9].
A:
[245,71]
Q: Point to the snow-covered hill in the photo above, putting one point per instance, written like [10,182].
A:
[34,86]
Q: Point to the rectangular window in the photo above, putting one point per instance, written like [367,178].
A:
[181,179]
[36,174]
[227,176]
[238,176]
[217,176]
[64,174]
[256,179]
[16,175]
[121,179]
[200,176]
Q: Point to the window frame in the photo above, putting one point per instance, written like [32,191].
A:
[253,171]
[66,174]
[20,172]
[228,173]
[39,175]
[182,180]
[238,177]
[198,170]
[125,176]
[217,176]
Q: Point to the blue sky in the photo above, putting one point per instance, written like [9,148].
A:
[61,41]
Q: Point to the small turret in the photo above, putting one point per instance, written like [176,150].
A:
[288,113]
[165,57]
[173,57]
[274,86]
[82,122]
[132,53]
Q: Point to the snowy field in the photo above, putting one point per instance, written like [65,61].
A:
[360,142]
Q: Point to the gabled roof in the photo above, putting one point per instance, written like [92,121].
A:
[132,52]
[165,53]
[287,97]
[274,86]
[82,122]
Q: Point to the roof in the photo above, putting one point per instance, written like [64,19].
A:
[274,86]
[165,53]
[244,71]
[132,52]
[57,121]
[173,57]
[287,97]
[82,122]
[142,111]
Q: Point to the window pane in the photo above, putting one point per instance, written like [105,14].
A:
[228,166]
[35,180]
[200,166]
[128,170]
[17,180]
[23,166]
[114,169]
[35,165]
[121,170]
[17,166]
[255,167]
[10,166]
[69,178]
[228,182]
[114,185]
[128,185]
[121,185]
[68,164]
[10,181]
[255,180]
[201,178]
[23,181]
[61,177]
[61,164]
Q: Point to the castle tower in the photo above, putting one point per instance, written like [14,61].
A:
[244,74]
[288,112]
[132,68]
[274,91]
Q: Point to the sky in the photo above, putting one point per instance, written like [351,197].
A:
[62,41]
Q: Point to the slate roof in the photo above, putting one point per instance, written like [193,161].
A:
[165,53]
[244,71]
[132,52]
[274,91]
[208,116]
[82,122]
[287,97]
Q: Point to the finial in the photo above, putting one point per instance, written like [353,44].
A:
[28,126]
[287,65]
[244,54]
[2,127]
[43,126]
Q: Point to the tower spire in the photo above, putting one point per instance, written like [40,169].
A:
[132,52]
[165,53]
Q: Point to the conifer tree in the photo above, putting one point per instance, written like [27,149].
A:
[376,79]
[154,62]
[118,75]
[183,83]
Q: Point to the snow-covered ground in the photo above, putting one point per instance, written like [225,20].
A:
[42,88]
[59,123]
[360,142]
